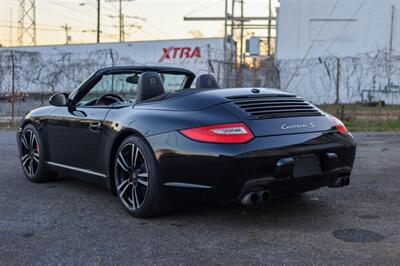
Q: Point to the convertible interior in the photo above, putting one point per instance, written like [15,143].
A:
[129,88]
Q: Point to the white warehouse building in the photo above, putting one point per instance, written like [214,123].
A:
[349,46]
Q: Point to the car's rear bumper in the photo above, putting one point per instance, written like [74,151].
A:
[192,170]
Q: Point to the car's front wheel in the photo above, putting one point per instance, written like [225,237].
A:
[137,183]
[32,155]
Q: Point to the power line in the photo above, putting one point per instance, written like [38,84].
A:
[72,18]
[122,17]
[39,28]
[64,16]
[85,13]
[241,20]
[335,39]
[94,4]
[38,24]
[311,45]
[203,7]
[345,26]
[71,8]
[157,29]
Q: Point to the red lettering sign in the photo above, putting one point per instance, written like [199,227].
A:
[180,52]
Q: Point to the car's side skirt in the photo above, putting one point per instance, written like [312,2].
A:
[185,185]
[76,169]
[80,173]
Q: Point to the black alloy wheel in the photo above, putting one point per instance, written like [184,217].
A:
[32,156]
[132,176]
[137,183]
[30,152]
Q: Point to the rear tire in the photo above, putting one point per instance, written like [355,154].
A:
[137,183]
[33,157]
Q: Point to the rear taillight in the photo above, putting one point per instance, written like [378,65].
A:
[339,125]
[224,133]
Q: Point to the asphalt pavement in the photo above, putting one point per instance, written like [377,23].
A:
[71,222]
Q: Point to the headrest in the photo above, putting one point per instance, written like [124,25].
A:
[149,86]
[206,81]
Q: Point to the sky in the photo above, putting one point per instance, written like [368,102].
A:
[161,19]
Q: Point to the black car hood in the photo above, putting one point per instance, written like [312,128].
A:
[198,99]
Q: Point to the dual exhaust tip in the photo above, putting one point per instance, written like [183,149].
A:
[341,182]
[346,181]
[252,198]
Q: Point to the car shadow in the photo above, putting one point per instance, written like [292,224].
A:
[286,211]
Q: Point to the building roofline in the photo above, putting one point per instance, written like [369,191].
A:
[107,43]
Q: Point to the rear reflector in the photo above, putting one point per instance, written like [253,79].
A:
[225,133]
[339,125]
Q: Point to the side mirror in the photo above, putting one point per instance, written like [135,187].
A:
[59,99]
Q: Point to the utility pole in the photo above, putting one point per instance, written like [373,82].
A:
[337,85]
[120,18]
[269,26]
[232,57]
[254,71]
[21,22]
[390,54]
[10,30]
[121,23]
[225,64]
[241,54]
[236,22]
[123,28]
[34,22]
[232,18]
[98,21]
[67,29]
[12,87]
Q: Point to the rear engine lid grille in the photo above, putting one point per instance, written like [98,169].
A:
[272,106]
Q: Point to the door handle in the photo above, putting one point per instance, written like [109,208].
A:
[95,126]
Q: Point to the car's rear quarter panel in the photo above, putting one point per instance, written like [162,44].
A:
[210,171]
[227,168]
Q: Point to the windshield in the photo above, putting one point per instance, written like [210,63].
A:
[125,86]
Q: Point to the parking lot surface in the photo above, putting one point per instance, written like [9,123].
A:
[71,222]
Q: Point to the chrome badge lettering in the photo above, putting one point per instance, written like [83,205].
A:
[298,126]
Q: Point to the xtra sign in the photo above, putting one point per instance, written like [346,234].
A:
[180,52]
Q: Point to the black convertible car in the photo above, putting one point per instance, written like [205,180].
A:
[154,140]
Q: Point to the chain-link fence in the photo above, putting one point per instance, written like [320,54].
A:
[255,72]
[364,89]
[27,79]
[370,77]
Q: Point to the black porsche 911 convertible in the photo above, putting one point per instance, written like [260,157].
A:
[154,140]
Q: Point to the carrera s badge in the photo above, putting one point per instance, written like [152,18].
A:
[306,125]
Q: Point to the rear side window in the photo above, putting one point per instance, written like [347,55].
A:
[173,82]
